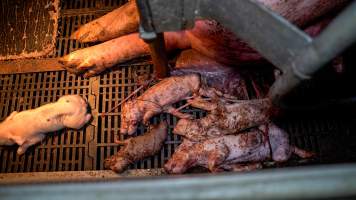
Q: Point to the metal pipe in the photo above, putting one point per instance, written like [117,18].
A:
[321,182]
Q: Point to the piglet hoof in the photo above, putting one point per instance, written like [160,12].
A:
[303,153]
[119,142]
[307,155]
[20,151]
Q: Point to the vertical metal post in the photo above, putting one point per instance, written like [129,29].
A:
[153,39]
[158,55]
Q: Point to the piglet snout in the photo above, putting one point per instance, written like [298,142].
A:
[123,131]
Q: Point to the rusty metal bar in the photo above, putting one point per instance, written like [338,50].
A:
[159,57]
[153,39]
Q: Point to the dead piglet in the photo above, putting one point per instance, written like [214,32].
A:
[200,129]
[227,79]
[138,148]
[28,127]
[159,98]
[244,151]
[215,152]
[224,118]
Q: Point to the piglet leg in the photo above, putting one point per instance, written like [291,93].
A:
[34,140]
[175,112]
[202,104]
[243,167]
[95,59]
[302,153]
[217,156]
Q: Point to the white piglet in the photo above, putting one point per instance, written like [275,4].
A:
[28,127]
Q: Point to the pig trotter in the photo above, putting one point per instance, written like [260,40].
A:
[108,26]
[302,153]
[96,59]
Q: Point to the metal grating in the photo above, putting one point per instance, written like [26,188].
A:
[28,28]
[113,87]
[95,4]
[66,150]
[69,150]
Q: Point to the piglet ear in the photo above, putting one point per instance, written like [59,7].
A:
[147,116]
[87,118]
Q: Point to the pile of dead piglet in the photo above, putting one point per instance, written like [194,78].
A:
[235,135]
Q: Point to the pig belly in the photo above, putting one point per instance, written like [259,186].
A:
[214,41]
